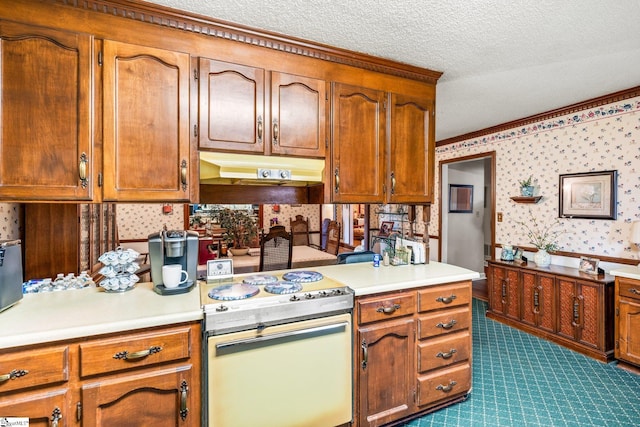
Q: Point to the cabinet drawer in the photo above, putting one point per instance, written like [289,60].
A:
[134,350]
[388,307]
[30,368]
[439,297]
[443,351]
[443,384]
[444,322]
[629,289]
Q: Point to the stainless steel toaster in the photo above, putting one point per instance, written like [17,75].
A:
[10,273]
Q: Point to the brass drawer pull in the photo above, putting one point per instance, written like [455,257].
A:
[82,170]
[446,388]
[634,291]
[446,300]
[447,325]
[184,410]
[16,373]
[125,355]
[448,355]
[388,309]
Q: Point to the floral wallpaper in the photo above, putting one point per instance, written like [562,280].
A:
[598,139]
[284,213]
[10,214]
[138,221]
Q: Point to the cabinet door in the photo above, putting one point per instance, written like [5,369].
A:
[42,409]
[537,300]
[629,331]
[580,312]
[158,398]
[298,108]
[146,124]
[412,150]
[385,372]
[358,124]
[45,108]
[503,292]
[232,111]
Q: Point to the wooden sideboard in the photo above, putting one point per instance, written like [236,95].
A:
[558,303]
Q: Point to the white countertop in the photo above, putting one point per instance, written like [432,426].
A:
[631,272]
[366,279]
[53,316]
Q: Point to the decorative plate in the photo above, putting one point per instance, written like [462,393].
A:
[260,279]
[233,292]
[283,288]
[302,276]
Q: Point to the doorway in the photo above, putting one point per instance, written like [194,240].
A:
[467,233]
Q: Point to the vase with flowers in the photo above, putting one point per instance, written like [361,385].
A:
[544,238]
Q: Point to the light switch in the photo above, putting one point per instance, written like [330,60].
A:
[499,216]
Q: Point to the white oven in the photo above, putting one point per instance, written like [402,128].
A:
[295,374]
[278,359]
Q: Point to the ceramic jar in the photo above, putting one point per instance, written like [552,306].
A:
[542,258]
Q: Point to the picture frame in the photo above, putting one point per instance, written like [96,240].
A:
[386,228]
[590,195]
[589,265]
[460,198]
[517,253]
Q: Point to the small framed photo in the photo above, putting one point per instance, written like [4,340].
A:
[517,254]
[590,195]
[386,228]
[589,265]
[460,198]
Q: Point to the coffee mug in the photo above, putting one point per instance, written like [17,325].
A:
[172,275]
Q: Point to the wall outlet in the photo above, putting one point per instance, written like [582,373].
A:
[499,216]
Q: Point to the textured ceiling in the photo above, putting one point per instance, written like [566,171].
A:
[502,60]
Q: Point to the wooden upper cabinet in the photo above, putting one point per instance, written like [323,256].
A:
[412,149]
[358,125]
[298,115]
[45,109]
[232,107]
[237,113]
[146,149]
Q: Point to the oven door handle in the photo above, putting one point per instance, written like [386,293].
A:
[325,328]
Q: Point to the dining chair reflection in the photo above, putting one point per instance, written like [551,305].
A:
[276,249]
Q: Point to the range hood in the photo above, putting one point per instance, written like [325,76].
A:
[247,169]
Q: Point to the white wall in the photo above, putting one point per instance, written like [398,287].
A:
[465,231]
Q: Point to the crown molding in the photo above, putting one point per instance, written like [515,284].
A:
[172,18]
[580,106]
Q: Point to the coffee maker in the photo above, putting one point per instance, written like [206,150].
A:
[173,247]
[10,273]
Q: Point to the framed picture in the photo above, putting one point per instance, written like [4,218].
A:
[460,198]
[517,254]
[386,228]
[589,265]
[589,195]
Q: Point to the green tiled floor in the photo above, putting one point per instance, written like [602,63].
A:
[521,380]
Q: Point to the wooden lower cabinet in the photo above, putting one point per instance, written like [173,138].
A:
[558,303]
[627,325]
[43,409]
[153,378]
[161,397]
[413,352]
